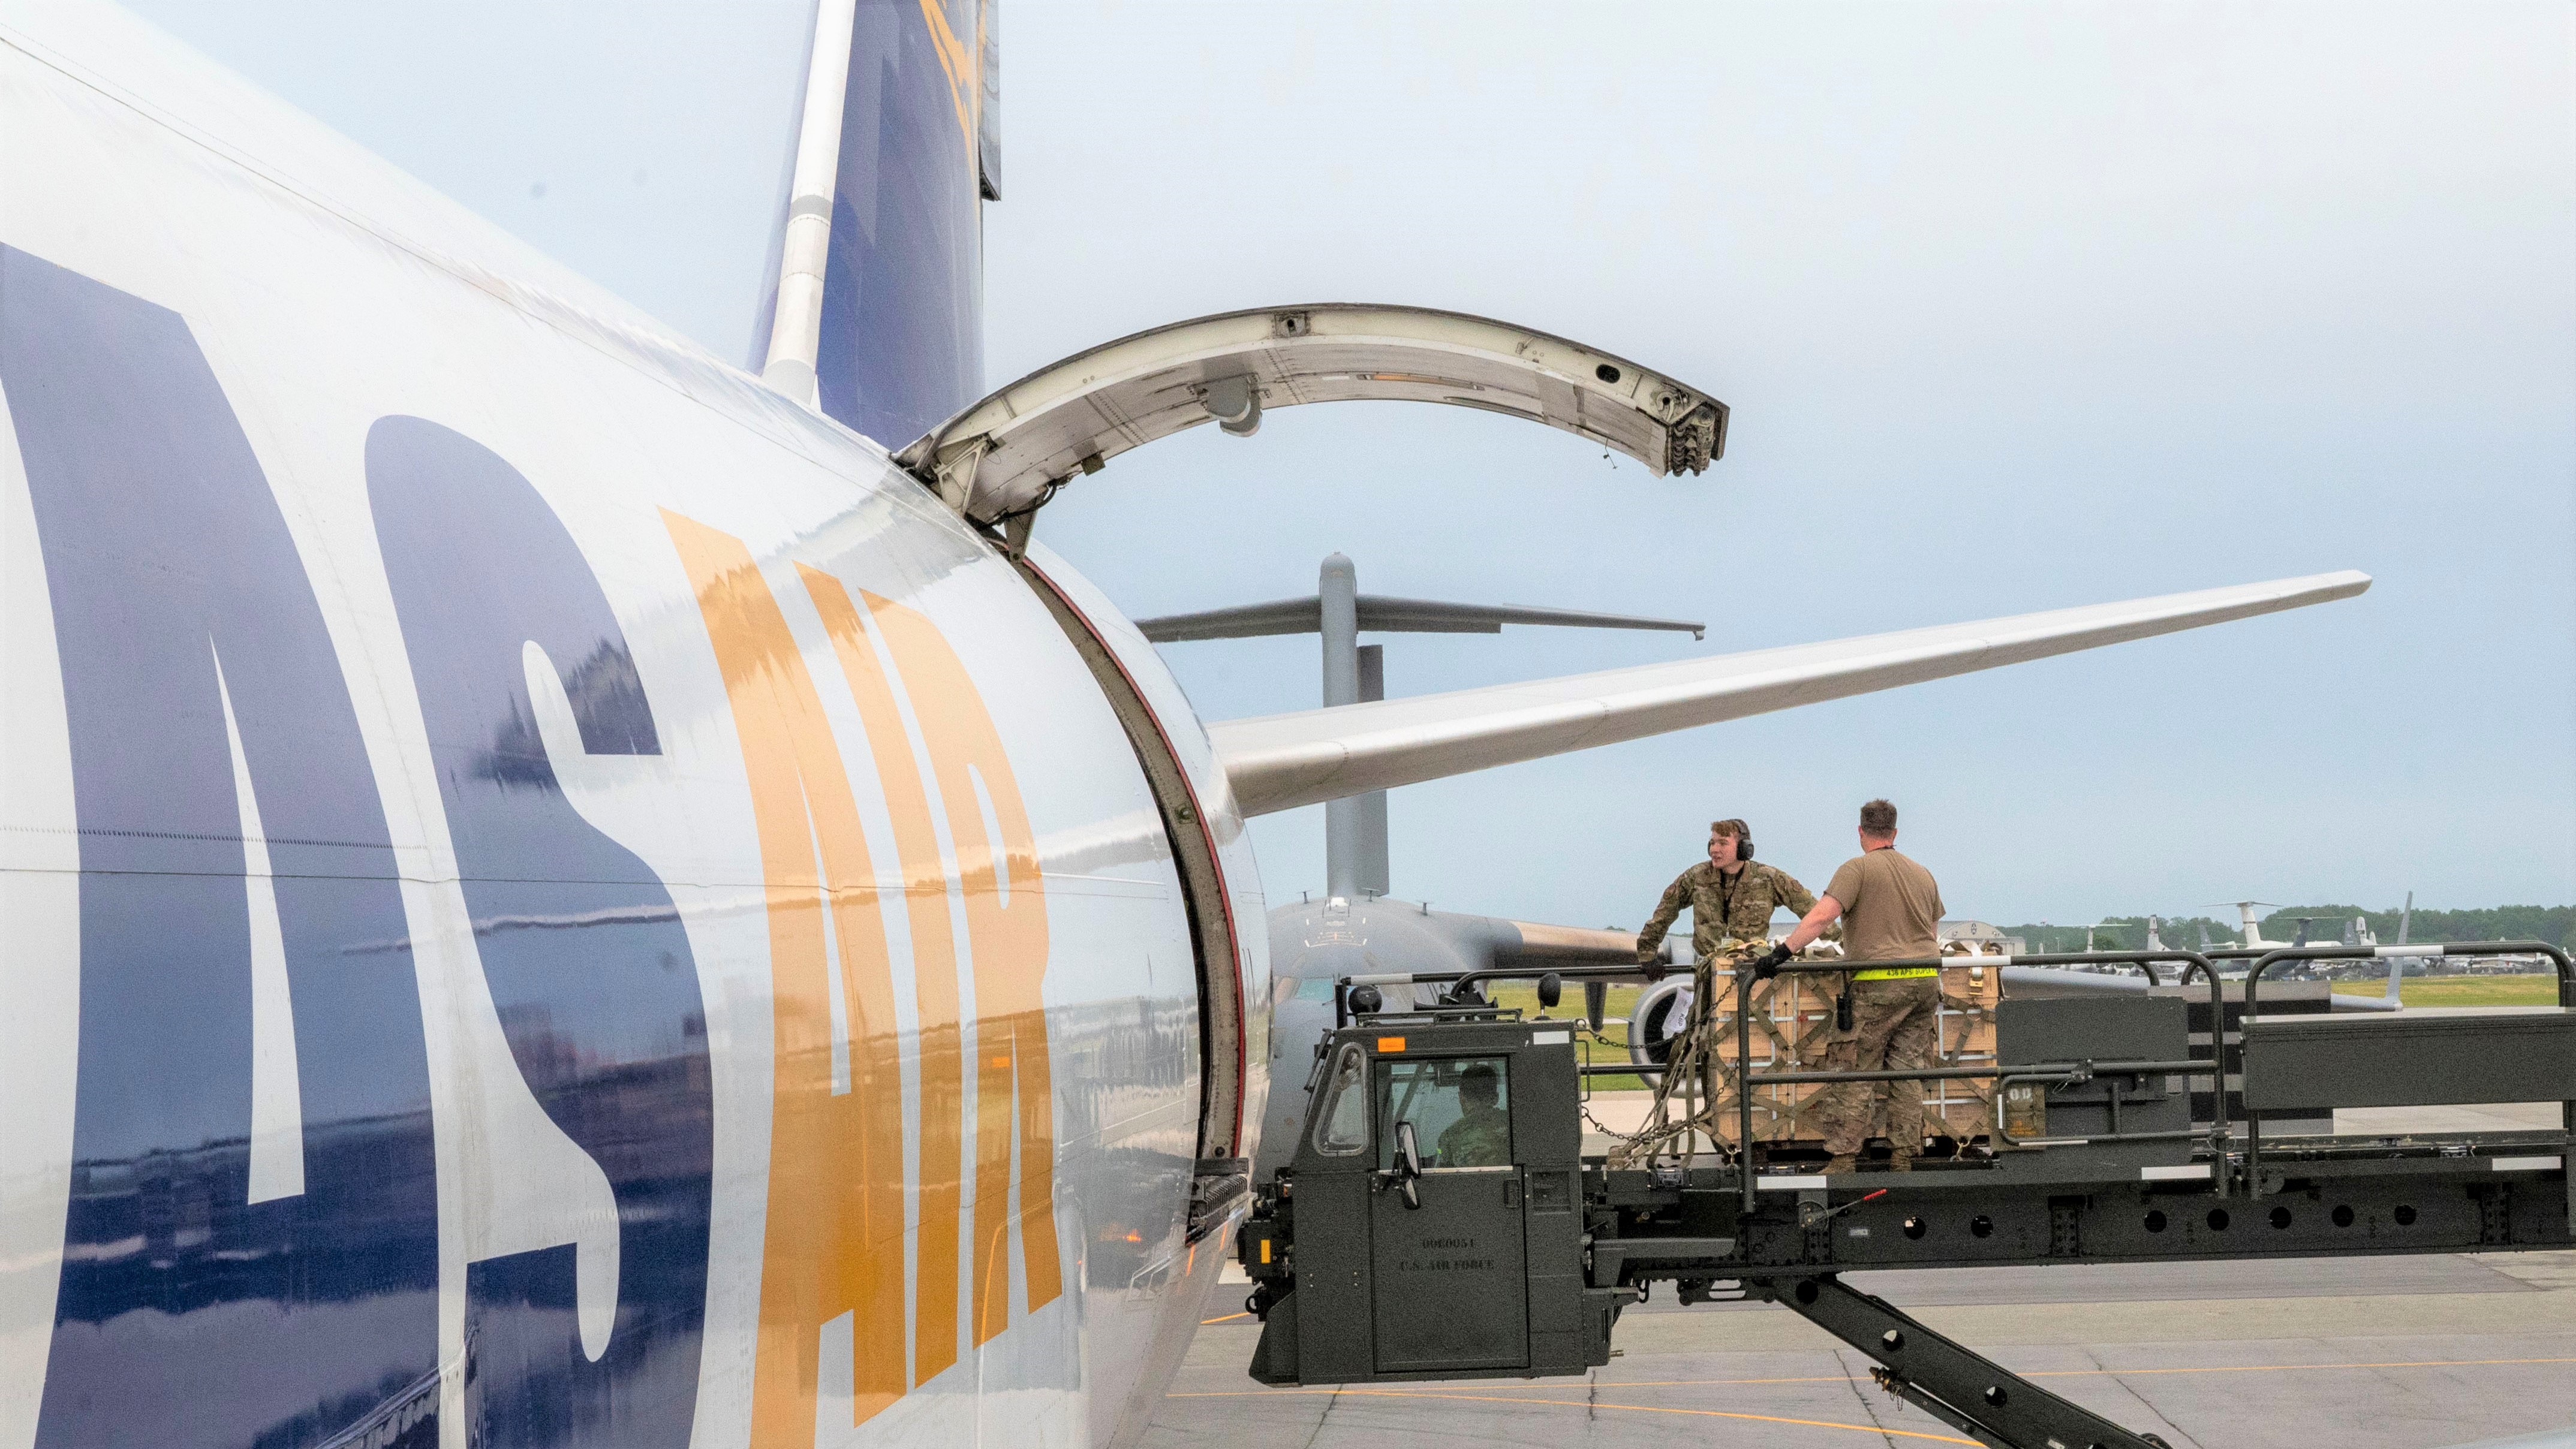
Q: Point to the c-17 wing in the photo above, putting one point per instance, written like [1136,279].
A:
[1282,761]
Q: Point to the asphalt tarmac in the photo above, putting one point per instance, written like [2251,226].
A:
[2372,1353]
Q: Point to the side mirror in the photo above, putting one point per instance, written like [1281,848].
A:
[1596,1002]
[1367,1001]
[1551,990]
[1408,1165]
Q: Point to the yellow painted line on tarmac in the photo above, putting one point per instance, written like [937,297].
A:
[2265,1368]
[2259,1368]
[1698,1383]
[1586,1404]
[2272,1368]
[1614,1386]
[1229,1318]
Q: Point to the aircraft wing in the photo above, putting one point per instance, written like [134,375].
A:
[1282,761]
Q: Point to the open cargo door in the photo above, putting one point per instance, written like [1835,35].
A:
[1004,456]
[998,461]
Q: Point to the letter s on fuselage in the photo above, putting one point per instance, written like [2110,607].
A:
[552,899]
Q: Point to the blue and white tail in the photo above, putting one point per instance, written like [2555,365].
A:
[875,311]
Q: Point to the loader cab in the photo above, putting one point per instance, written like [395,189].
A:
[1429,1224]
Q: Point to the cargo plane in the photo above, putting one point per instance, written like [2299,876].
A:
[562,891]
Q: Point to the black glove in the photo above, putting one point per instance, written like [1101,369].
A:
[1768,964]
[1652,967]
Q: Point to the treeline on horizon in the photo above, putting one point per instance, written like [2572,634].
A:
[2554,924]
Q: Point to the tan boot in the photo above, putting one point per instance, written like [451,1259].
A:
[1843,1165]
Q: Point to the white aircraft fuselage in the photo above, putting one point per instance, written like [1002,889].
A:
[555,896]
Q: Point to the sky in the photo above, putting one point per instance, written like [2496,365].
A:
[2017,307]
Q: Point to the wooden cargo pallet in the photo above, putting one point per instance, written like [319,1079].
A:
[1793,1021]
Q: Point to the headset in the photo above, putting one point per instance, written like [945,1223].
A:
[1743,843]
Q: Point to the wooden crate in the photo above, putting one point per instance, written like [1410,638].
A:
[1793,1019]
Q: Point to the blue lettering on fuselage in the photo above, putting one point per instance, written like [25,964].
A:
[188,1313]
[580,942]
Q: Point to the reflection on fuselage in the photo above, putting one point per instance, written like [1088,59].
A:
[431,1068]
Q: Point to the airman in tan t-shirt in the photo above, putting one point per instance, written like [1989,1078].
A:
[1890,908]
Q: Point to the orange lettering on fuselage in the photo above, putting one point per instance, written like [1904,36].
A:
[934,969]
[836,1190]
[834,1241]
[1006,929]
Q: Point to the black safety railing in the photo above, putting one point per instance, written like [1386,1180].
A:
[2068,1074]
[2269,959]
[2074,1073]
[2218,1133]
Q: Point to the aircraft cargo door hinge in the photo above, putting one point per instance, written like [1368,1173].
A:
[955,474]
[1695,439]
[951,472]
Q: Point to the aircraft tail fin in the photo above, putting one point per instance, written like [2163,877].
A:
[1379,614]
[1372,866]
[874,309]
[1355,831]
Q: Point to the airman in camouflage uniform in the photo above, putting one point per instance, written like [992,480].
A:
[1482,1135]
[1731,897]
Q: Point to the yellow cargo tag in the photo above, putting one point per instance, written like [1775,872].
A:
[1390,1043]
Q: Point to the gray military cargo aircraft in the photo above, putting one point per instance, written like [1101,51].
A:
[1356,929]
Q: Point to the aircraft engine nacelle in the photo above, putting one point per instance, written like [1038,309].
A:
[1662,1009]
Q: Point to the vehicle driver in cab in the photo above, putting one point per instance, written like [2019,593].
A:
[1482,1135]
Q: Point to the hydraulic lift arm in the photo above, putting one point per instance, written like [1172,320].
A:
[1945,1379]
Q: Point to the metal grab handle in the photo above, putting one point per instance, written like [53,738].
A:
[2091,1071]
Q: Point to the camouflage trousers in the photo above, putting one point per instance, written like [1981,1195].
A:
[1895,1024]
